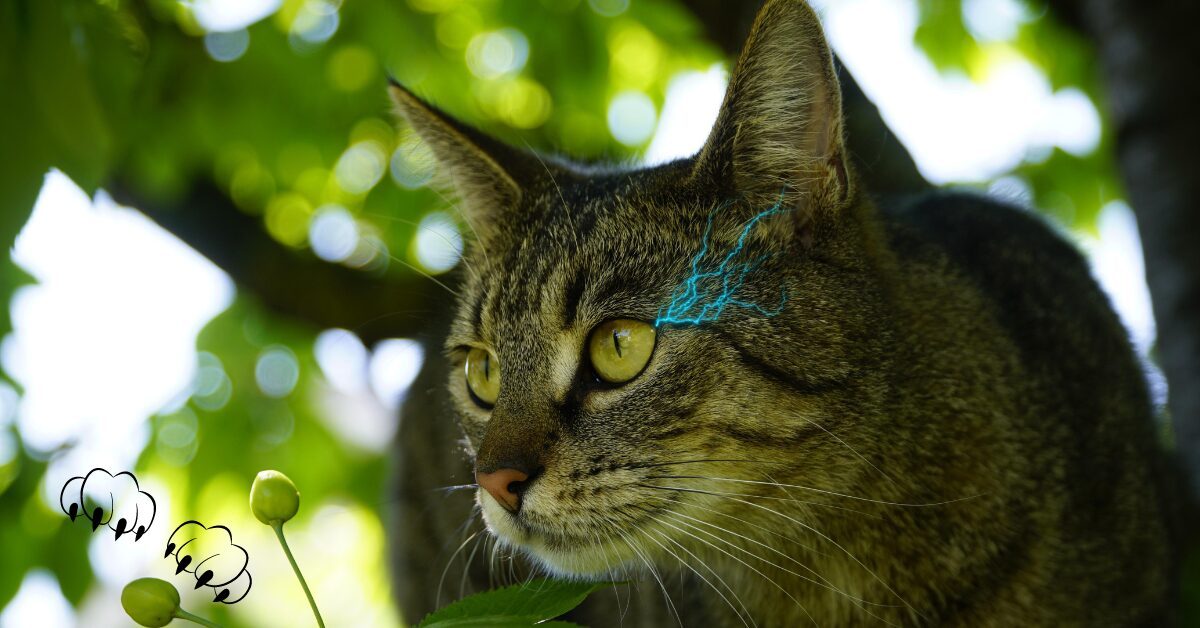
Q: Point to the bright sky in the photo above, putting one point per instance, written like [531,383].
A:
[106,337]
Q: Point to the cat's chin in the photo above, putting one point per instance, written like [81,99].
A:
[565,557]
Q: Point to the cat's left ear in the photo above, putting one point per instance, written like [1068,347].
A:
[779,131]
[488,176]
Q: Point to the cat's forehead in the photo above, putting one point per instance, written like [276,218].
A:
[614,237]
[585,215]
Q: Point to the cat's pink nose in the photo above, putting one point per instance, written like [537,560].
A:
[504,485]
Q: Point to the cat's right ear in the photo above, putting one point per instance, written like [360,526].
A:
[778,136]
[488,176]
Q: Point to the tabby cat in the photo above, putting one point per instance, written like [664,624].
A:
[738,381]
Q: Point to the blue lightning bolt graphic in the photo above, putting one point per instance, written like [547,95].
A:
[705,294]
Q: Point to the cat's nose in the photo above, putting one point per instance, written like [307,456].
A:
[505,485]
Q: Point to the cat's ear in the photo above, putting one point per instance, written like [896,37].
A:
[488,176]
[779,131]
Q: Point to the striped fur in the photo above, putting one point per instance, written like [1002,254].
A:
[943,426]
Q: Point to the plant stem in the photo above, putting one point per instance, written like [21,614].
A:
[182,614]
[278,527]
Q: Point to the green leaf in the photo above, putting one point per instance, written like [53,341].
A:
[73,123]
[515,606]
[943,36]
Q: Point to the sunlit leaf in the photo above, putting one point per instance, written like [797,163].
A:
[516,606]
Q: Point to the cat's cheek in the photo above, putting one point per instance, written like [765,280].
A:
[498,521]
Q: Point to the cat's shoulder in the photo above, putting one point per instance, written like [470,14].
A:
[1039,283]
[985,236]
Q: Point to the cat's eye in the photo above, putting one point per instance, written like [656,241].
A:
[619,349]
[483,376]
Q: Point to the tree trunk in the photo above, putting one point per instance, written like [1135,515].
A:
[1148,52]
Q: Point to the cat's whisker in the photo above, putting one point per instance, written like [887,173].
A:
[696,461]
[460,530]
[815,490]
[450,562]
[744,563]
[847,445]
[451,489]
[806,527]
[750,495]
[857,601]
[492,562]
[623,609]
[744,614]
[462,580]
[467,219]
[553,181]
[744,618]
[653,572]
[415,269]
[837,545]
[462,258]
[512,567]
[714,511]
[825,583]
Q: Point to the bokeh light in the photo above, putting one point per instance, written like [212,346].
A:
[333,233]
[944,120]
[177,442]
[211,387]
[314,24]
[393,367]
[519,102]
[342,358]
[226,46]
[230,15]
[277,371]
[351,68]
[609,8]
[631,118]
[360,167]
[691,106]
[994,20]
[98,346]
[412,163]
[497,53]
[438,244]
[39,602]
[287,217]
[456,27]
[636,56]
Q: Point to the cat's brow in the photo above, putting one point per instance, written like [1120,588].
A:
[571,299]
[477,313]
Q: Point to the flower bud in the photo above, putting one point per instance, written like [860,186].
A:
[150,601]
[273,498]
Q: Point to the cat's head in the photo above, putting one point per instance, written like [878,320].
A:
[625,337]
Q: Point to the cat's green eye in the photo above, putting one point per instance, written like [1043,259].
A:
[619,349]
[483,375]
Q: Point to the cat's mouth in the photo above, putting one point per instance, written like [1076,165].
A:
[569,548]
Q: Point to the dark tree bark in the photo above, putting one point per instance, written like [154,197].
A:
[1148,53]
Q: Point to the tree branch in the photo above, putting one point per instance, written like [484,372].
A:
[294,284]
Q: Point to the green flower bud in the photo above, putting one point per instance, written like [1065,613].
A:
[273,498]
[150,601]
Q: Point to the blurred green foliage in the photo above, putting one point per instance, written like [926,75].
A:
[1071,188]
[129,93]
